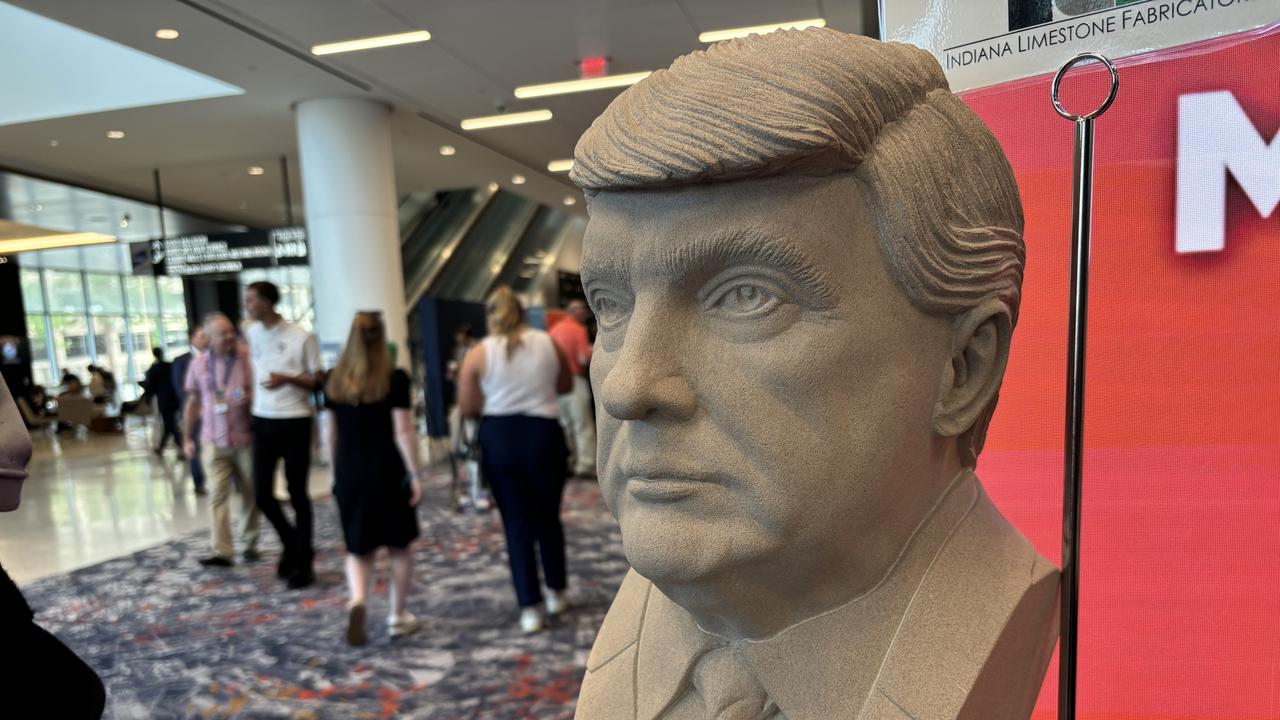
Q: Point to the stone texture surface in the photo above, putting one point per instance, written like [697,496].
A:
[805,256]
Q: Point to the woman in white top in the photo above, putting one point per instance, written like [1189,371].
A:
[511,380]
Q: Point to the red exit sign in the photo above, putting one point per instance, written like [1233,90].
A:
[593,67]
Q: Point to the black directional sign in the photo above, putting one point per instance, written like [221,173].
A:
[219,253]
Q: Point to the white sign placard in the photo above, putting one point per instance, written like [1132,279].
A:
[984,42]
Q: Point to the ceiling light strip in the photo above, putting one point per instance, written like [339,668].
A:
[49,242]
[718,35]
[520,118]
[560,165]
[369,43]
[584,85]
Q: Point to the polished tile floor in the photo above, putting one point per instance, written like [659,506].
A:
[99,497]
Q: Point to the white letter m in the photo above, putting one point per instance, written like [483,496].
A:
[1215,135]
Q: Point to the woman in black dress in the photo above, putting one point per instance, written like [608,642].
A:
[375,469]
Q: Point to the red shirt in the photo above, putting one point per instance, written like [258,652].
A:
[571,336]
[225,387]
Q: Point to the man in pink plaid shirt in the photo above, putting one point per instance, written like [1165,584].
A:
[219,393]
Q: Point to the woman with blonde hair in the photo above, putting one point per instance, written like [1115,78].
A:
[511,380]
[376,479]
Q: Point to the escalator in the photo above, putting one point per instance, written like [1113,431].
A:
[459,245]
[432,229]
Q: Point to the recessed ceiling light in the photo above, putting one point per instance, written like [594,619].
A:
[115,134]
[369,43]
[493,187]
[492,121]
[586,84]
[167,34]
[570,200]
[718,35]
[448,150]
[560,165]
[517,179]
[256,170]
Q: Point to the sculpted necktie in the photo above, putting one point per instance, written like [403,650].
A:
[729,691]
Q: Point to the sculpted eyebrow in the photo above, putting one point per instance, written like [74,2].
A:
[607,268]
[754,245]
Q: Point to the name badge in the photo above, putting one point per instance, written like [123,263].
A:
[220,408]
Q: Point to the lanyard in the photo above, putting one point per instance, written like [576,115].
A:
[213,375]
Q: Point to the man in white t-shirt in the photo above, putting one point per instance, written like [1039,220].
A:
[287,370]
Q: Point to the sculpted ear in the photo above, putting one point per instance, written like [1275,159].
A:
[971,378]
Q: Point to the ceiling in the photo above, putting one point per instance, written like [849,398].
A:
[479,52]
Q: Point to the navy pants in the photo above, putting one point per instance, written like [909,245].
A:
[524,459]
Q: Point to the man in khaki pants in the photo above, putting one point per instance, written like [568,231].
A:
[219,392]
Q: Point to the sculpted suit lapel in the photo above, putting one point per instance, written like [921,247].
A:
[1007,613]
[951,651]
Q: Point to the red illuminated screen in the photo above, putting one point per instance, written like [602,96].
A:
[1180,588]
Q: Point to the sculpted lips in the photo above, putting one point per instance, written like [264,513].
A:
[664,484]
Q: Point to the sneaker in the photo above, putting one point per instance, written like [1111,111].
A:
[356,635]
[216,561]
[252,555]
[402,624]
[556,603]
[530,620]
[301,578]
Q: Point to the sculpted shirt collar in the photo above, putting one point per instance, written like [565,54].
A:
[818,664]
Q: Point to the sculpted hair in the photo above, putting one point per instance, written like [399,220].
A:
[817,102]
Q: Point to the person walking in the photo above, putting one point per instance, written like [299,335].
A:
[159,384]
[576,416]
[510,380]
[376,476]
[219,390]
[199,343]
[286,371]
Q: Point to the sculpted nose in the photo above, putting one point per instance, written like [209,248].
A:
[647,377]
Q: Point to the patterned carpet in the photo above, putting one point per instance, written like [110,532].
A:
[171,639]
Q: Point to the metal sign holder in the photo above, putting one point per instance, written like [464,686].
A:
[1081,220]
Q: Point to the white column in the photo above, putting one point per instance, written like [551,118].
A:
[349,193]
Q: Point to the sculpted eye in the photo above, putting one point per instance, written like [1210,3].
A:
[609,309]
[745,298]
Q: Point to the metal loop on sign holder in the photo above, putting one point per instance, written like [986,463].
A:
[1062,72]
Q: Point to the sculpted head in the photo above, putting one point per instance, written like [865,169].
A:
[15,451]
[805,258]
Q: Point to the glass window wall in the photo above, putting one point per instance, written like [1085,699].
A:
[84,308]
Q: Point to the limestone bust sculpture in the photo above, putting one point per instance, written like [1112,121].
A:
[805,256]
